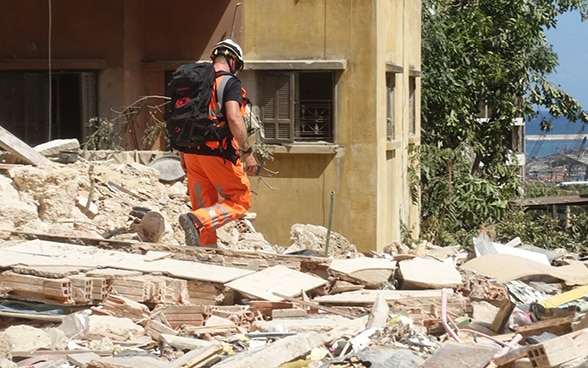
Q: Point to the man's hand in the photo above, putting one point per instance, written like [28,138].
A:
[250,164]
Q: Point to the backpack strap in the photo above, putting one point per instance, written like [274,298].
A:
[221,90]
[219,93]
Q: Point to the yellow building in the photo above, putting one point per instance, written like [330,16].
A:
[336,83]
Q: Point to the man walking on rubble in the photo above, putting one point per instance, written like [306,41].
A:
[219,190]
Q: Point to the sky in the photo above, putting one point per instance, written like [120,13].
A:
[569,41]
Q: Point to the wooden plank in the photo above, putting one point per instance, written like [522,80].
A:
[510,357]
[276,279]
[4,166]
[198,358]
[557,326]
[501,318]
[21,150]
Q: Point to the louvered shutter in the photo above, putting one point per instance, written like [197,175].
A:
[88,102]
[390,86]
[277,107]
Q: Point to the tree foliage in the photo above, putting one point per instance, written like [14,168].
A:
[484,63]
[489,58]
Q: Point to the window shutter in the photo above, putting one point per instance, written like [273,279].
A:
[88,102]
[278,107]
[390,86]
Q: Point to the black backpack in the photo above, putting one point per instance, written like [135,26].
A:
[189,121]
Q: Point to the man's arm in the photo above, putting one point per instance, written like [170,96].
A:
[239,131]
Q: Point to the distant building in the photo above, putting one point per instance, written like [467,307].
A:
[560,167]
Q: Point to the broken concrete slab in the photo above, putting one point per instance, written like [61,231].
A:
[363,297]
[371,272]
[26,338]
[53,147]
[82,359]
[184,342]
[386,357]
[483,245]
[276,354]
[424,273]
[455,355]
[317,323]
[276,279]
[42,252]
[128,362]
[504,267]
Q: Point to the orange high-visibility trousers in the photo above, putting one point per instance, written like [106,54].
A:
[219,190]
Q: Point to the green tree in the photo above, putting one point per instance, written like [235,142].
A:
[483,58]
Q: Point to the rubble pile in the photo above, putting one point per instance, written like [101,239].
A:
[94,273]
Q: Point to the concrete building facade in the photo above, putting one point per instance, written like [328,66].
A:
[335,83]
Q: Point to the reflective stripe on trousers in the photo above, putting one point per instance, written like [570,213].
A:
[220,192]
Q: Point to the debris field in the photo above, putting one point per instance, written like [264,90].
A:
[94,273]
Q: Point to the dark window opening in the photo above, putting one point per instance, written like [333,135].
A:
[315,113]
[24,105]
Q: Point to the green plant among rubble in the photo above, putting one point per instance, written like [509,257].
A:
[542,230]
[106,134]
[539,228]
[458,204]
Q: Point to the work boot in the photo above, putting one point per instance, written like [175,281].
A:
[190,230]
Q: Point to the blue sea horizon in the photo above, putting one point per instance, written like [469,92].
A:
[560,126]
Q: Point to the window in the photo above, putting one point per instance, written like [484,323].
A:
[297,106]
[390,86]
[24,105]
[518,136]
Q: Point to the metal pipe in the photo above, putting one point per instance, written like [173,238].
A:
[330,223]
[446,321]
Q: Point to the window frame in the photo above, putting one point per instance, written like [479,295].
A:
[275,133]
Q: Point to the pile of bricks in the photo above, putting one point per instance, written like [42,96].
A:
[81,289]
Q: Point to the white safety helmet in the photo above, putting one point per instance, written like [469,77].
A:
[231,49]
